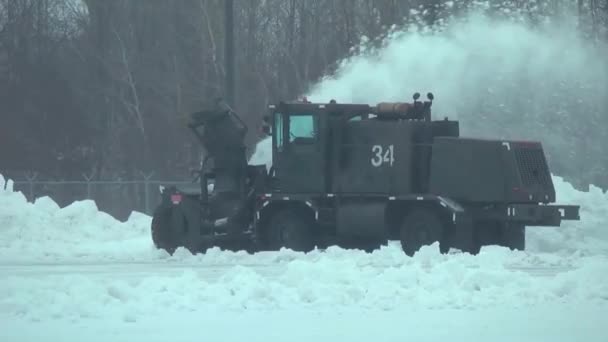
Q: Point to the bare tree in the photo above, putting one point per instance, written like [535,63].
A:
[106,87]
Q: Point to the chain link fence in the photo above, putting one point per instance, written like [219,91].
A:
[115,197]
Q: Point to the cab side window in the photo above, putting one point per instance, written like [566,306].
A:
[302,129]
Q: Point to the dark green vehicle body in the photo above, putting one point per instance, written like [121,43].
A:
[357,175]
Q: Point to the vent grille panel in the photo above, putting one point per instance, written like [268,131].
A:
[533,168]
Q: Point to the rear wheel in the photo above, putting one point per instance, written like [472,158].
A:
[289,229]
[510,235]
[421,227]
[514,236]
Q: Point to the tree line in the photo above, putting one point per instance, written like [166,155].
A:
[102,87]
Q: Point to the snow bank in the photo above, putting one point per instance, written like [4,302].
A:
[334,279]
[334,282]
[589,236]
[43,231]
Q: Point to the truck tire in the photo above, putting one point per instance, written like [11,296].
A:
[168,230]
[510,235]
[289,229]
[421,227]
[513,236]
[162,236]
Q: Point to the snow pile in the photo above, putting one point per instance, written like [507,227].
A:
[337,281]
[79,240]
[588,236]
[43,231]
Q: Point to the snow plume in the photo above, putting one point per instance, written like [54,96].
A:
[263,153]
[501,77]
[589,236]
[472,62]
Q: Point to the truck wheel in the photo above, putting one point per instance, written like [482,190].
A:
[161,230]
[420,228]
[289,229]
[514,236]
[487,233]
[168,230]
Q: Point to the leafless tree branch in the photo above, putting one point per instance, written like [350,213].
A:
[134,106]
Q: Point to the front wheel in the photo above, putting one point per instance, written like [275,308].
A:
[289,229]
[170,229]
[162,233]
[421,227]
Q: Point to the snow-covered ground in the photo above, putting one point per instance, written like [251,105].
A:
[77,274]
[550,323]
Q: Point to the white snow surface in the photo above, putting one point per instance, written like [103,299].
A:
[41,231]
[75,273]
[77,264]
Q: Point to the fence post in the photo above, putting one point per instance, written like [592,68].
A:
[88,180]
[31,177]
[147,191]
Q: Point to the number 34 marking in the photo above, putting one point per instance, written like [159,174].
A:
[383,155]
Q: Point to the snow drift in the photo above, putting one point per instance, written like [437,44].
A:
[42,231]
[338,281]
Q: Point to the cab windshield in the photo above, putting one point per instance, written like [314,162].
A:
[302,128]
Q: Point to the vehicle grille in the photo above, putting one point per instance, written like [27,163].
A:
[533,168]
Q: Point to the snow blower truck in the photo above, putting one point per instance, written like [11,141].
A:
[357,176]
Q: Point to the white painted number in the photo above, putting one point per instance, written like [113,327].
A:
[383,156]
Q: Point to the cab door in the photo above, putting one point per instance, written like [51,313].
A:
[298,162]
